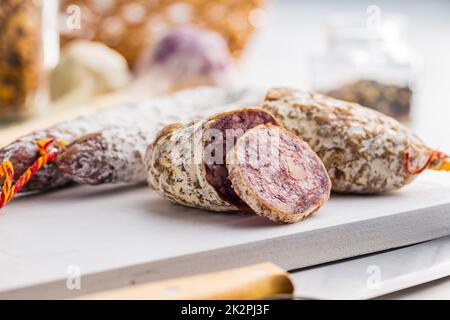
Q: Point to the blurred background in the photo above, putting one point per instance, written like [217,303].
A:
[279,54]
[393,56]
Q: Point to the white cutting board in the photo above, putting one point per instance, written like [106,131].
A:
[117,236]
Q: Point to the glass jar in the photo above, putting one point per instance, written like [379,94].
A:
[372,65]
[29,48]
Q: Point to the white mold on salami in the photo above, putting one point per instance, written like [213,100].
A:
[277,174]
[175,167]
[362,149]
[110,156]
[134,118]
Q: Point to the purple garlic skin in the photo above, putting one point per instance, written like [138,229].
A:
[189,56]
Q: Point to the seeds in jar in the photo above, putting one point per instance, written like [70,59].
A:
[390,99]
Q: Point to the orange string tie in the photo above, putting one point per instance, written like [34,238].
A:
[7,171]
[437,160]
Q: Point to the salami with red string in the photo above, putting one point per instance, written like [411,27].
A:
[108,146]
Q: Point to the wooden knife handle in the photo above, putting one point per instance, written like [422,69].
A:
[251,282]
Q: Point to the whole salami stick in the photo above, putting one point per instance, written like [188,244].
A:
[238,160]
[363,150]
[139,120]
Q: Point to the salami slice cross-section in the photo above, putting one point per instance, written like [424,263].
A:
[186,163]
[277,174]
[229,126]
[283,179]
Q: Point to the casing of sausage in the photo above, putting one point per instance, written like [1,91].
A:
[362,149]
[175,168]
[97,134]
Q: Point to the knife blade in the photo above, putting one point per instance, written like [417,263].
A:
[376,274]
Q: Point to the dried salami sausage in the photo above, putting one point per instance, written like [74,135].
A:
[109,156]
[199,165]
[363,150]
[277,174]
[228,127]
[93,146]
[187,163]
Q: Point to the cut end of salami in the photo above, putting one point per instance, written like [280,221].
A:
[277,174]
[239,160]
[221,134]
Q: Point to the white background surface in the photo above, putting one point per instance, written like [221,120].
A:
[296,29]
[110,227]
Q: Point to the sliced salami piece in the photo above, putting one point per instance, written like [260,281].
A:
[277,174]
[190,165]
[229,127]
[175,167]
[186,163]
